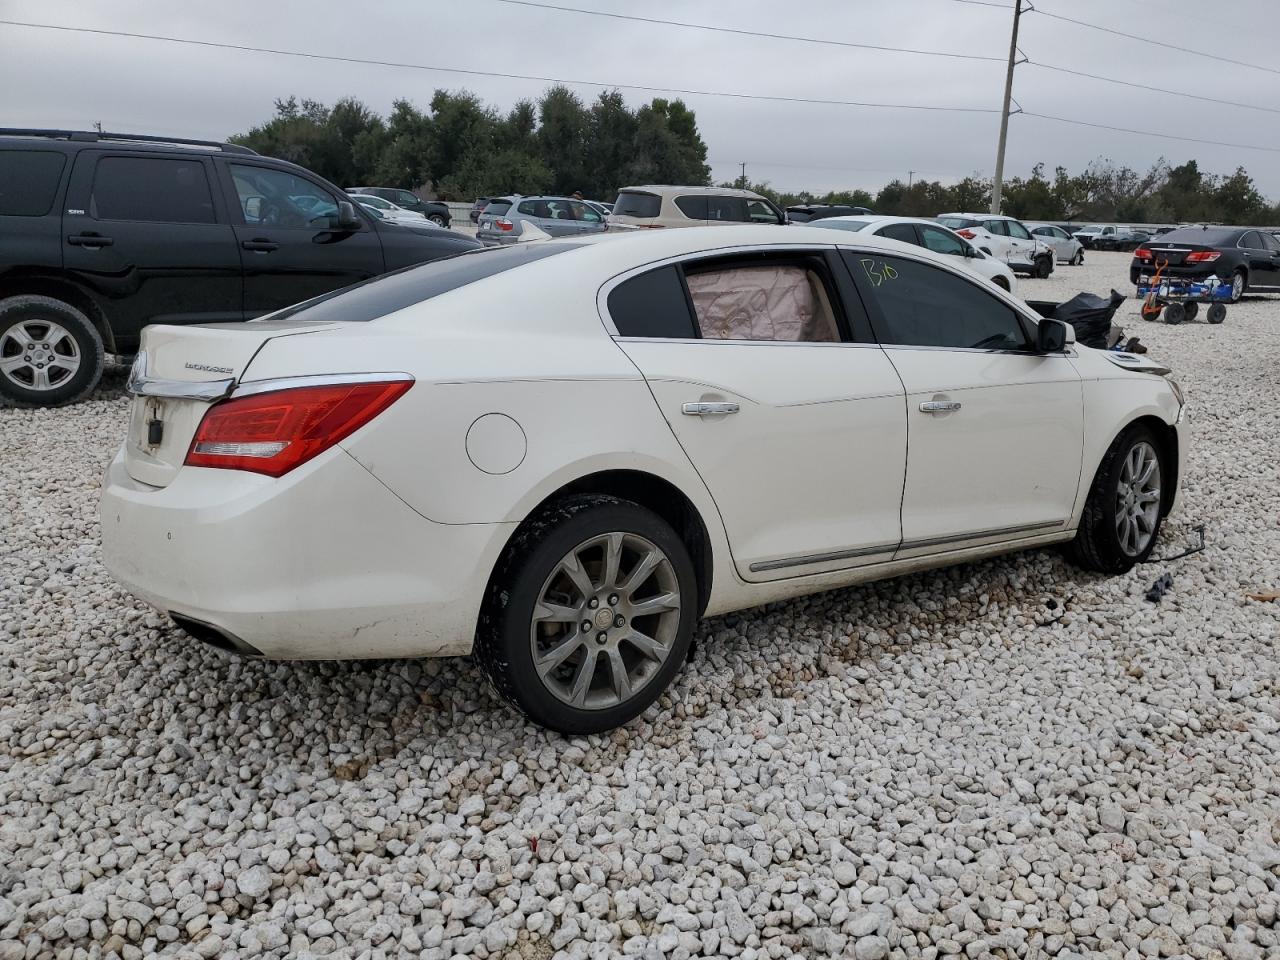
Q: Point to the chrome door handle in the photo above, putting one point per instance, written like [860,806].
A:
[702,409]
[940,406]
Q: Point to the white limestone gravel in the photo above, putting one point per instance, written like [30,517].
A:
[1004,759]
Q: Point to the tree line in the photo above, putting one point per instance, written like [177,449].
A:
[460,148]
[1104,191]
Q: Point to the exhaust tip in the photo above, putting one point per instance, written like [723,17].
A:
[212,636]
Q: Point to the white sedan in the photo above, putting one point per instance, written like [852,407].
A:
[386,208]
[559,455]
[932,236]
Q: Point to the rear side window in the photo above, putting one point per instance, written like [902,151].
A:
[29,181]
[384,295]
[632,203]
[156,190]
[693,207]
[781,301]
[652,305]
[497,208]
[924,306]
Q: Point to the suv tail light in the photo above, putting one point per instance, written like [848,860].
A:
[504,224]
[275,431]
[1203,256]
[966,233]
[1142,253]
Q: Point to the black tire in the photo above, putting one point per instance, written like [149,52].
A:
[437,220]
[1097,544]
[1175,313]
[1238,290]
[22,320]
[1190,310]
[1216,313]
[1044,267]
[504,645]
[1150,311]
[1078,259]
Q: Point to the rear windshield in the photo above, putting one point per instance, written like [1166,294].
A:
[1209,238]
[496,208]
[632,204]
[384,295]
[957,223]
[827,223]
[29,181]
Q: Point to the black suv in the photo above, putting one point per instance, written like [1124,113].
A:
[437,211]
[103,233]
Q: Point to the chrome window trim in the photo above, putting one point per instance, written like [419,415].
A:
[251,387]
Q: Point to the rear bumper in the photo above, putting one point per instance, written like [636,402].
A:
[324,563]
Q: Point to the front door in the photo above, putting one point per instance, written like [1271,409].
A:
[150,240]
[994,430]
[1264,262]
[288,245]
[792,418]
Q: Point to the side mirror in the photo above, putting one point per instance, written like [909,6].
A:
[972,252]
[253,208]
[346,218]
[1054,336]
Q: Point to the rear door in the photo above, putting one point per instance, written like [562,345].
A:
[289,246]
[762,366]
[149,237]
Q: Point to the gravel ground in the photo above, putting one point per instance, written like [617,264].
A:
[1004,759]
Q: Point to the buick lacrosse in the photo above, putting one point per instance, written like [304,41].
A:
[558,455]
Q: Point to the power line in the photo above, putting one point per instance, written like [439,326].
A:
[1156,43]
[752,33]
[987,3]
[1149,133]
[490,73]
[1148,87]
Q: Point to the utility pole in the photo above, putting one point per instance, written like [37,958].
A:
[998,182]
[911,174]
[98,125]
[742,184]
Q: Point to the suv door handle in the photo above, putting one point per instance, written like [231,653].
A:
[703,409]
[940,406]
[89,240]
[260,245]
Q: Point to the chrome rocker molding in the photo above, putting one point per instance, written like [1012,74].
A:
[889,549]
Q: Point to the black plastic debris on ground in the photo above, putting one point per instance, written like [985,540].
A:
[1163,584]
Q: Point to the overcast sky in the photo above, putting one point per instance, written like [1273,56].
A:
[59,79]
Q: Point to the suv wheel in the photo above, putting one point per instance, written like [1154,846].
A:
[49,352]
[437,219]
[589,614]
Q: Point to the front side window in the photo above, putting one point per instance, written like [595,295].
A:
[727,209]
[584,212]
[405,198]
[760,212]
[1017,230]
[782,301]
[29,181]
[1271,243]
[941,241]
[900,231]
[1252,240]
[151,189]
[277,198]
[922,305]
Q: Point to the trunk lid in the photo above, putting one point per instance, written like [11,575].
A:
[1175,253]
[182,371]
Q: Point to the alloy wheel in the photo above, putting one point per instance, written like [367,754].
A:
[1237,286]
[605,621]
[38,354]
[1138,498]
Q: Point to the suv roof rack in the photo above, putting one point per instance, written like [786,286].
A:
[91,136]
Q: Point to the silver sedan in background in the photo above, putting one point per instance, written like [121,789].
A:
[1066,248]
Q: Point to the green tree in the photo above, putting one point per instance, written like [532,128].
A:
[562,138]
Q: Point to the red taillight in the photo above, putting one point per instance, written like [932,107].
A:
[1202,256]
[1142,253]
[275,431]
[503,224]
[967,234]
